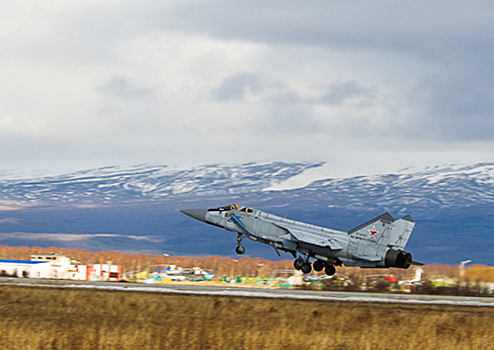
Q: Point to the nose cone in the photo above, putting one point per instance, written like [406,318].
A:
[198,214]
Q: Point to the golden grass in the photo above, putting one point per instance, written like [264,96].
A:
[45,318]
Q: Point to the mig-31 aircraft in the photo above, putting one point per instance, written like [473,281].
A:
[379,243]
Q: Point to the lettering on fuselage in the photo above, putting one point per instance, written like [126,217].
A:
[363,237]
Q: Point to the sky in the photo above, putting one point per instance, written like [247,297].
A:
[368,87]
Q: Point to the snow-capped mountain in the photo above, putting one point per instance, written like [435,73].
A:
[117,184]
[440,187]
[430,189]
[127,208]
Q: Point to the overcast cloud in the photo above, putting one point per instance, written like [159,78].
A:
[367,86]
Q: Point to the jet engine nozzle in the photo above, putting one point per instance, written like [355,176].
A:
[398,258]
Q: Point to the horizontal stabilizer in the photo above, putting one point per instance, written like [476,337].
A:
[408,218]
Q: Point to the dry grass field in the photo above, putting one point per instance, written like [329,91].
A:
[46,318]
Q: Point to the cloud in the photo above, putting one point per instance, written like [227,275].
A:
[8,205]
[455,108]
[94,83]
[237,86]
[346,91]
[121,87]
[418,28]
[13,221]
[72,237]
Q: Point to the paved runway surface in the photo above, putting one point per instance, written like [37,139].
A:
[200,289]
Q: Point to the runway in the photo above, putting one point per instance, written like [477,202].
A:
[253,292]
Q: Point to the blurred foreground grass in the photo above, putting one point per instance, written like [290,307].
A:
[46,318]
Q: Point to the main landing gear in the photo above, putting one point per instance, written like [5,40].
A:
[306,267]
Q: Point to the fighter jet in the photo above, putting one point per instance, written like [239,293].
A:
[379,242]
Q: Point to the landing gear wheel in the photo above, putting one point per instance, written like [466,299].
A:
[240,250]
[330,270]
[306,268]
[298,263]
[318,265]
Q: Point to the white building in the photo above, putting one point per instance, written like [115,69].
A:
[55,266]
[59,265]
[25,268]
[78,272]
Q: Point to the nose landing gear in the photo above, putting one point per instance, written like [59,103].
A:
[240,249]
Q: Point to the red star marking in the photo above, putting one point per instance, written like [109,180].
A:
[373,232]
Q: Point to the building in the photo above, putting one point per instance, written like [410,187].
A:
[78,272]
[56,266]
[25,268]
[59,265]
[104,272]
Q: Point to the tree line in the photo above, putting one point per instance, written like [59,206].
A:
[245,266]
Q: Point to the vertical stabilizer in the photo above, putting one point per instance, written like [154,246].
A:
[401,232]
[382,239]
[370,240]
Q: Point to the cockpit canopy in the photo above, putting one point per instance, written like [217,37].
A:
[227,207]
[233,207]
[246,210]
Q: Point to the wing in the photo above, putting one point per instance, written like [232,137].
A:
[307,237]
[369,258]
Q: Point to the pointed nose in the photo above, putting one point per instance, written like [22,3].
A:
[198,214]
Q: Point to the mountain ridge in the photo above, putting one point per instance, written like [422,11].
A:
[127,208]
